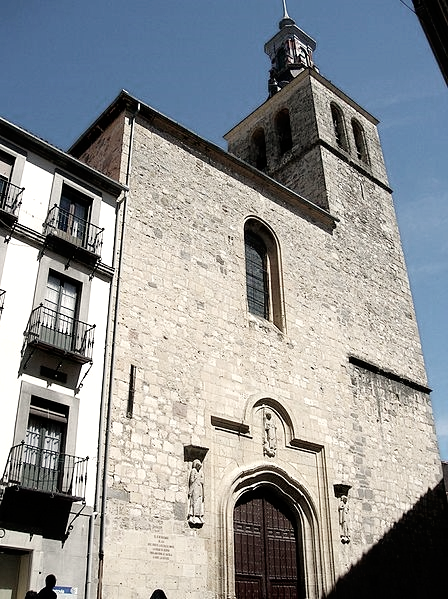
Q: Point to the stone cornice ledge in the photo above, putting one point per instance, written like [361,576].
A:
[230,426]
[388,374]
[306,445]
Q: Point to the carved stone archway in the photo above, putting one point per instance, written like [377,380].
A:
[317,565]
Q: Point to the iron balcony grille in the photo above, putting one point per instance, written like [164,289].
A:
[75,230]
[2,300]
[55,329]
[10,197]
[38,469]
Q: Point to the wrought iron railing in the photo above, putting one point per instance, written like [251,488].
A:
[10,197]
[71,228]
[48,471]
[60,331]
[2,300]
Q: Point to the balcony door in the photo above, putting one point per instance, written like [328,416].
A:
[6,164]
[60,308]
[44,449]
[73,214]
[267,561]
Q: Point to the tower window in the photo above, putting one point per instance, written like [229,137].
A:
[339,127]
[258,149]
[360,141]
[283,128]
[263,281]
[280,58]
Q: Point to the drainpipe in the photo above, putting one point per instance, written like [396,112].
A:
[94,514]
[107,390]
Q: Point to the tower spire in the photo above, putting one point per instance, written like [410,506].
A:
[285,10]
[290,51]
[286,20]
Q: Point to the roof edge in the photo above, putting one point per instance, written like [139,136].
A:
[125,101]
[29,141]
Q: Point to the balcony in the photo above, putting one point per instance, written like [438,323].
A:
[10,201]
[56,347]
[61,334]
[72,235]
[36,469]
[38,488]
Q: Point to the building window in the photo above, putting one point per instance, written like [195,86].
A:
[283,128]
[6,166]
[263,280]
[360,141]
[73,213]
[10,195]
[73,218]
[44,445]
[60,312]
[41,407]
[339,127]
[256,275]
[258,149]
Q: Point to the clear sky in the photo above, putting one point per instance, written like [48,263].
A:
[201,62]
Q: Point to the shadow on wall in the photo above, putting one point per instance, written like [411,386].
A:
[410,561]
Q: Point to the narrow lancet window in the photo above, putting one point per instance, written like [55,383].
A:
[263,278]
[258,147]
[360,141]
[339,127]
[256,276]
[283,127]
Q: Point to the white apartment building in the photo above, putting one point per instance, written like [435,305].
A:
[57,228]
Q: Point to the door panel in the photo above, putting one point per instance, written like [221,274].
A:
[43,446]
[266,555]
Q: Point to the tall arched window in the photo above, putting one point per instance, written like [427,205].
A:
[257,275]
[258,149]
[283,128]
[360,141]
[339,126]
[263,280]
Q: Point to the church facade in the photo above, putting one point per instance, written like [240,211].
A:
[270,428]
[265,423]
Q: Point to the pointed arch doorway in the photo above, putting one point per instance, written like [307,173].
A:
[268,562]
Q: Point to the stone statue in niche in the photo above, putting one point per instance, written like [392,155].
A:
[343,516]
[196,494]
[270,435]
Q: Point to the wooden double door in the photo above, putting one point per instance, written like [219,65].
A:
[267,552]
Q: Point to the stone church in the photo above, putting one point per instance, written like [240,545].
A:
[268,431]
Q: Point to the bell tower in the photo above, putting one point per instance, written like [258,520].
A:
[308,131]
[290,50]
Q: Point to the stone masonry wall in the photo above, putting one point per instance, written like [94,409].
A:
[106,152]
[199,354]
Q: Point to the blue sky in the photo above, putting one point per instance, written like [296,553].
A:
[201,62]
